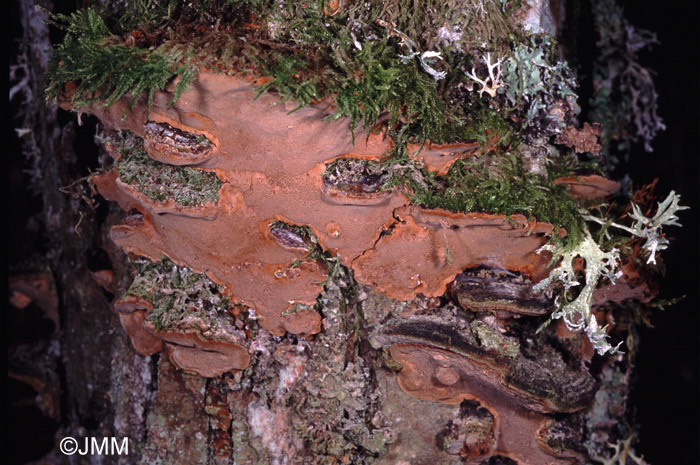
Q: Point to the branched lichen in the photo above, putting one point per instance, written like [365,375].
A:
[577,313]
[622,454]
[624,99]
[491,83]
[650,229]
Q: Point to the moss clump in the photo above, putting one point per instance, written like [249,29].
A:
[106,70]
[404,58]
[499,184]
[159,181]
[176,293]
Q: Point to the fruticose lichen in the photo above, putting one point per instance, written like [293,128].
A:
[577,313]
[624,100]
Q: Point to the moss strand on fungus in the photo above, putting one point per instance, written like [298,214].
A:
[493,184]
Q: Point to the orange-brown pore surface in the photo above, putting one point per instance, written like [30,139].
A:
[271,163]
[427,249]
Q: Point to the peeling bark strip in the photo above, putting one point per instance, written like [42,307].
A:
[293,299]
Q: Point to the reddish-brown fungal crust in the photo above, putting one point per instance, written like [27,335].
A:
[586,139]
[194,354]
[38,288]
[592,186]
[500,292]
[427,249]
[222,351]
[303,321]
[634,284]
[271,163]
[133,311]
[438,158]
[514,426]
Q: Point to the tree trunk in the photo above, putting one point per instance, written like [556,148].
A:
[302,314]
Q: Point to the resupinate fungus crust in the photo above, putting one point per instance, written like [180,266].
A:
[286,214]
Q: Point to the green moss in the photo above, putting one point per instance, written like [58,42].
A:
[177,293]
[370,58]
[106,70]
[367,56]
[159,181]
[499,184]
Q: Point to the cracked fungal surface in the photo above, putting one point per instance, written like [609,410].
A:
[325,184]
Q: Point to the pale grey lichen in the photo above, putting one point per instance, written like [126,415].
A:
[650,228]
[622,454]
[577,313]
[624,100]
[539,19]
[425,58]
[491,83]
[539,88]
[178,293]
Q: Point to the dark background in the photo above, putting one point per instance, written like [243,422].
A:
[666,393]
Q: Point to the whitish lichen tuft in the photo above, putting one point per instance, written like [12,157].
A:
[577,313]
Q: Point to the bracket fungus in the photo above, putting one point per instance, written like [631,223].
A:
[427,248]
[347,231]
[231,239]
[192,346]
[286,201]
[499,291]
